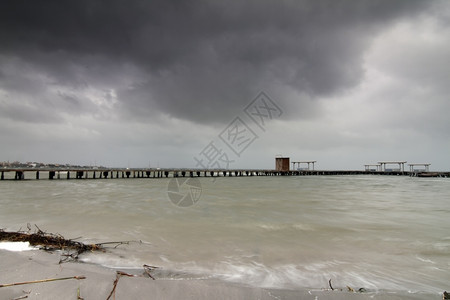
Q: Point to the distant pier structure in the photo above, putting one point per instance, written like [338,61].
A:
[282,164]
[426,167]
[401,165]
[373,167]
[282,168]
[299,163]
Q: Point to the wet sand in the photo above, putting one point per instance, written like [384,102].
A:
[36,265]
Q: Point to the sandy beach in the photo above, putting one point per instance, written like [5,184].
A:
[98,284]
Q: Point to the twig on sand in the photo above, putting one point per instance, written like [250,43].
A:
[79,294]
[23,296]
[42,280]
[349,288]
[148,269]
[113,291]
[329,282]
[118,275]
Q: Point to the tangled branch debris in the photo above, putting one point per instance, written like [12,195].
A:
[52,242]
[48,241]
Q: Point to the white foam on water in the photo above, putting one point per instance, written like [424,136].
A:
[16,246]
[251,271]
[110,260]
[287,226]
[425,260]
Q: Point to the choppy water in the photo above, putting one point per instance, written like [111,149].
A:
[376,232]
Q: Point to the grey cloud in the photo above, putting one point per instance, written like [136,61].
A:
[201,60]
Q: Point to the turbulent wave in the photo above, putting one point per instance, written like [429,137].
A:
[375,232]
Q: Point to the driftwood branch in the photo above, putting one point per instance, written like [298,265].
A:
[50,242]
[42,280]
[47,241]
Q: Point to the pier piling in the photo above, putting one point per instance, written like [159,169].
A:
[19,174]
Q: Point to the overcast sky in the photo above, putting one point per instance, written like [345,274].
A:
[225,83]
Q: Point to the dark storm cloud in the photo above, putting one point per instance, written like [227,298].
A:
[199,60]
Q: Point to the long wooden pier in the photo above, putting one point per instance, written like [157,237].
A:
[111,173]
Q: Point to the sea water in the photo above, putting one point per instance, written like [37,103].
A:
[373,232]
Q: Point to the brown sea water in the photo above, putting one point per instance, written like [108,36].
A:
[376,232]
